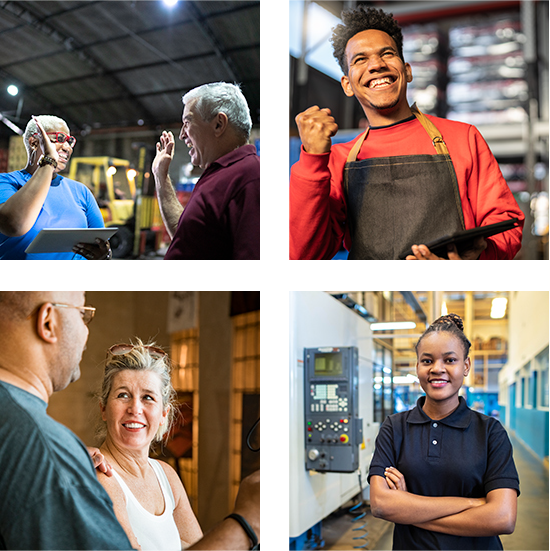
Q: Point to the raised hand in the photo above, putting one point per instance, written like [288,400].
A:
[316,127]
[47,146]
[164,156]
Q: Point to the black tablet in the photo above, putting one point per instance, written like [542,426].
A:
[464,240]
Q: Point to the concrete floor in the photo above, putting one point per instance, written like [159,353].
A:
[531,531]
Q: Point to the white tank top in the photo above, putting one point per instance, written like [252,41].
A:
[153,532]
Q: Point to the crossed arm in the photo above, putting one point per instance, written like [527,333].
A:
[490,516]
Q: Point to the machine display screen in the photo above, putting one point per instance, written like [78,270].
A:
[328,365]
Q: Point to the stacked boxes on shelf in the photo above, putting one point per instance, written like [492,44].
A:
[487,71]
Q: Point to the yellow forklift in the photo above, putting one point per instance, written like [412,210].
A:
[113,183]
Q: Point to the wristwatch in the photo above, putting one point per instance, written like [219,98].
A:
[248,529]
[47,160]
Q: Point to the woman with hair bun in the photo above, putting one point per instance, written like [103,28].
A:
[443,473]
[137,408]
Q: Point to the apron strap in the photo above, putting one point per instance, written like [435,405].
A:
[427,124]
[352,155]
[431,129]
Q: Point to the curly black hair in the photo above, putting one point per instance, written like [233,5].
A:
[360,19]
[451,323]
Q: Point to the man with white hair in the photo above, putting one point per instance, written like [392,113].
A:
[222,218]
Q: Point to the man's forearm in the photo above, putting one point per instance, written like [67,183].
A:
[170,207]
[226,535]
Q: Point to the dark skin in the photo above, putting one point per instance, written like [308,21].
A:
[372,55]
[22,209]
[442,364]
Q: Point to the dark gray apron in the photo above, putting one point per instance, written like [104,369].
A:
[396,202]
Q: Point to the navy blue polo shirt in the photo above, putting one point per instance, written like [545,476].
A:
[466,454]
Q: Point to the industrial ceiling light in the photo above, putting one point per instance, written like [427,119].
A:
[444,310]
[170,3]
[498,307]
[111,171]
[13,90]
[392,325]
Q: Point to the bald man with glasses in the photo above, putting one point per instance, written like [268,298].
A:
[50,496]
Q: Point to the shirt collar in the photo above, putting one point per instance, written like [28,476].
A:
[27,176]
[235,155]
[460,418]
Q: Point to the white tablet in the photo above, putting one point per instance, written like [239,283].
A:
[62,240]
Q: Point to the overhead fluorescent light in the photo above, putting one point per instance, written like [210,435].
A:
[392,325]
[444,310]
[498,307]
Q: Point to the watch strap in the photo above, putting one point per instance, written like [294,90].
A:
[47,160]
[247,528]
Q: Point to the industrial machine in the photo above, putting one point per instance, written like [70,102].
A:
[321,325]
[333,428]
[121,201]
[112,182]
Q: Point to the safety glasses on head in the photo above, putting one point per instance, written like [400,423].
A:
[121,349]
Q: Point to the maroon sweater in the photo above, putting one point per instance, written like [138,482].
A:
[222,218]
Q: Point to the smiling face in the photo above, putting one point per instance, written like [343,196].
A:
[134,410]
[377,77]
[199,136]
[64,150]
[441,368]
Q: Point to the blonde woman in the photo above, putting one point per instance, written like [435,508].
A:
[136,403]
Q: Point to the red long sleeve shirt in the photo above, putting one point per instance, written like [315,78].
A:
[318,218]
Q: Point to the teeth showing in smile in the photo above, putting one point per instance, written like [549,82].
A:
[380,82]
[134,425]
[438,382]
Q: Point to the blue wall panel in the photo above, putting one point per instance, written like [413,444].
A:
[532,428]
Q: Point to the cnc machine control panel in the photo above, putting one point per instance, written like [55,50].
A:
[333,431]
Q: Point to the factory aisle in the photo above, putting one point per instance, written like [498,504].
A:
[532,522]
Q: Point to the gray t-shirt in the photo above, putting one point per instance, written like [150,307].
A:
[49,495]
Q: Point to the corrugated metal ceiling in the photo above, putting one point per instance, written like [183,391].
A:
[108,64]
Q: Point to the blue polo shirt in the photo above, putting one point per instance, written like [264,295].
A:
[467,454]
[69,204]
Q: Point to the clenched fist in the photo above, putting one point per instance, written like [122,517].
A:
[316,127]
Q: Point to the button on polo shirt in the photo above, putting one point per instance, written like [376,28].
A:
[466,454]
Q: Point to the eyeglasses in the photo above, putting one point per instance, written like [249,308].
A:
[60,137]
[121,349]
[87,312]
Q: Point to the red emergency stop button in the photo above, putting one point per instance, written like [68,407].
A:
[344,438]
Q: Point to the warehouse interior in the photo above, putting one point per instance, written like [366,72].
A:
[483,63]
[508,381]
[115,72]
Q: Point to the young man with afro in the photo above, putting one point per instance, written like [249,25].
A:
[406,181]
